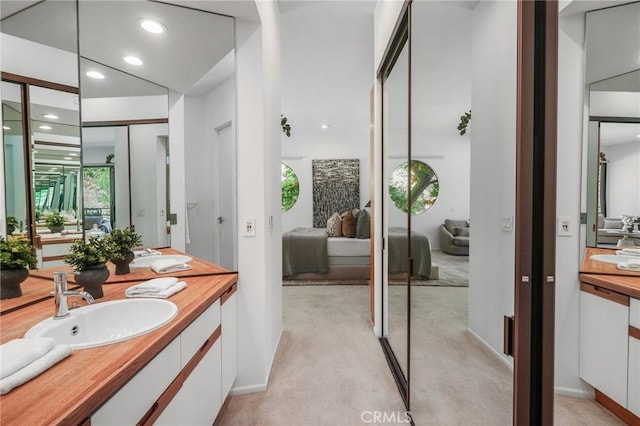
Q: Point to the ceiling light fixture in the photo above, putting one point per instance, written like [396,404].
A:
[152,26]
[68,158]
[50,116]
[132,60]
[44,127]
[73,154]
[324,126]
[638,136]
[95,74]
[6,127]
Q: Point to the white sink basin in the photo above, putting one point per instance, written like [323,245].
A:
[105,323]
[613,258]
[145,262]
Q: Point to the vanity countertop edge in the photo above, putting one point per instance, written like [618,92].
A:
[70,391]
[627,285]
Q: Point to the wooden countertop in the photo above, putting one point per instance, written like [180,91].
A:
[620,284]
[70,391]
[198,267]
[603,268]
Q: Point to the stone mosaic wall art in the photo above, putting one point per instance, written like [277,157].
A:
[336,188]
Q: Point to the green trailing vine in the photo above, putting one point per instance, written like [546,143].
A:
[465,119]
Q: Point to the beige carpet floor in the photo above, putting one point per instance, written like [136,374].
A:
[330,369]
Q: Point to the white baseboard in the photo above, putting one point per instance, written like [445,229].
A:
[506,361]
[259,387]
[574,393]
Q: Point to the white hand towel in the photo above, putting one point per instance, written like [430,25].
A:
[145,253]
[163,294]
[19,353]
[165,266]
[629,252]
[151,286]
[57,354]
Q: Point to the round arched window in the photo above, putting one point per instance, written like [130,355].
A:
[423,187]
[290,187]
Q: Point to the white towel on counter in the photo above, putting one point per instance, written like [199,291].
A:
[165,266]
[160,294]
[33,369]
[151,286]
[630,265]
[628,252]
[145,253]
[18,353]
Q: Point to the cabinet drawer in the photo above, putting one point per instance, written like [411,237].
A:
[198,332]
[133,400]
[634,312]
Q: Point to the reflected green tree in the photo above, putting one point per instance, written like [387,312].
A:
[423,189]
[290,187]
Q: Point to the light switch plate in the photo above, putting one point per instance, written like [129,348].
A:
[507,224]
[249,227]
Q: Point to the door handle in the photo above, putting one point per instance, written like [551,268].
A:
[220,219]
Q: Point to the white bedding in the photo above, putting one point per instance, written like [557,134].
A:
[343,246]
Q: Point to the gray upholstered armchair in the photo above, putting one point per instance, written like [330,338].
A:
[454,237]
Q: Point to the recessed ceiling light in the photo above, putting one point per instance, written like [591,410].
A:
[73,154]
[152,26]
[133,60]
[324,126]
[44,127]
[638,136]
[6,127]
[68,158]
[51,116]
[95,74]
[34,151]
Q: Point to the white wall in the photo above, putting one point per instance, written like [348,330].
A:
[493,153]
[258,145]
[614,104]
[623,175]
[124,108]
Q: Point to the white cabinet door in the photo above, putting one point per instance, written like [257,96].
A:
[604,341]
[133,400]
[199,399]
[229,344]
[634,376]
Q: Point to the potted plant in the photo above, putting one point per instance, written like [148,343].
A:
[88,260]
[121,241]
[12,224]
[17,255]
[55,222]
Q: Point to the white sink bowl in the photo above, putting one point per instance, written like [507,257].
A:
[105,323]
[613,258]
[145,262]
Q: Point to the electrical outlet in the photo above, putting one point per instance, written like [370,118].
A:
[565,227]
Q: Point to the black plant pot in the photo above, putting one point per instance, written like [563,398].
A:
[91,278]
[10,229]
[56,228]
[10,280]
[122,266]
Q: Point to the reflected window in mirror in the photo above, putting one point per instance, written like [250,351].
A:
[420,183]
[16,190]
[290,187]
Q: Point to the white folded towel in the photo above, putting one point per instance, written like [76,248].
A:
[164,266]
[145,253]
[161,294]
[55,355]
[18,353]
[151,286]
[628,252]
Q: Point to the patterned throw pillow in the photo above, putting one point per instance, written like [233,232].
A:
[348,225]
[334,226]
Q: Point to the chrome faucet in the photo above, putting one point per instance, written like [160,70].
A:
[60,294]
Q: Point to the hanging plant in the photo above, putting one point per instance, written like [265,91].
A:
[465,119]
[109,158]
[286,128]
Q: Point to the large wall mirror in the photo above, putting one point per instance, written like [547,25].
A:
[612,143]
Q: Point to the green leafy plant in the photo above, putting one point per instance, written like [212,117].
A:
[54,219]
[82,254]
[465,119]
[109,158]
[290,187]
[17,253]
[286,127]
[12,221]
[121,241]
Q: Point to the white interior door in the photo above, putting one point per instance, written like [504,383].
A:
[226,197]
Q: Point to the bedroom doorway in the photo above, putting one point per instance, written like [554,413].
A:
[226,196]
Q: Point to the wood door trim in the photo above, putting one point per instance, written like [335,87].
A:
[16,78]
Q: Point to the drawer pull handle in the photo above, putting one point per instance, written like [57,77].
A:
[149,413]
[602,290]
[204,345]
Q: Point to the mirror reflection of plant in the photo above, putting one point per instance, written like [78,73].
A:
[424,187]
[55,219]
[121,241]
[95,251]
[290,187]
[286,127]
[465,119]
[16,253]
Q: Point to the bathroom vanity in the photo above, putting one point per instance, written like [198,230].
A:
[610,334]
[180,373]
